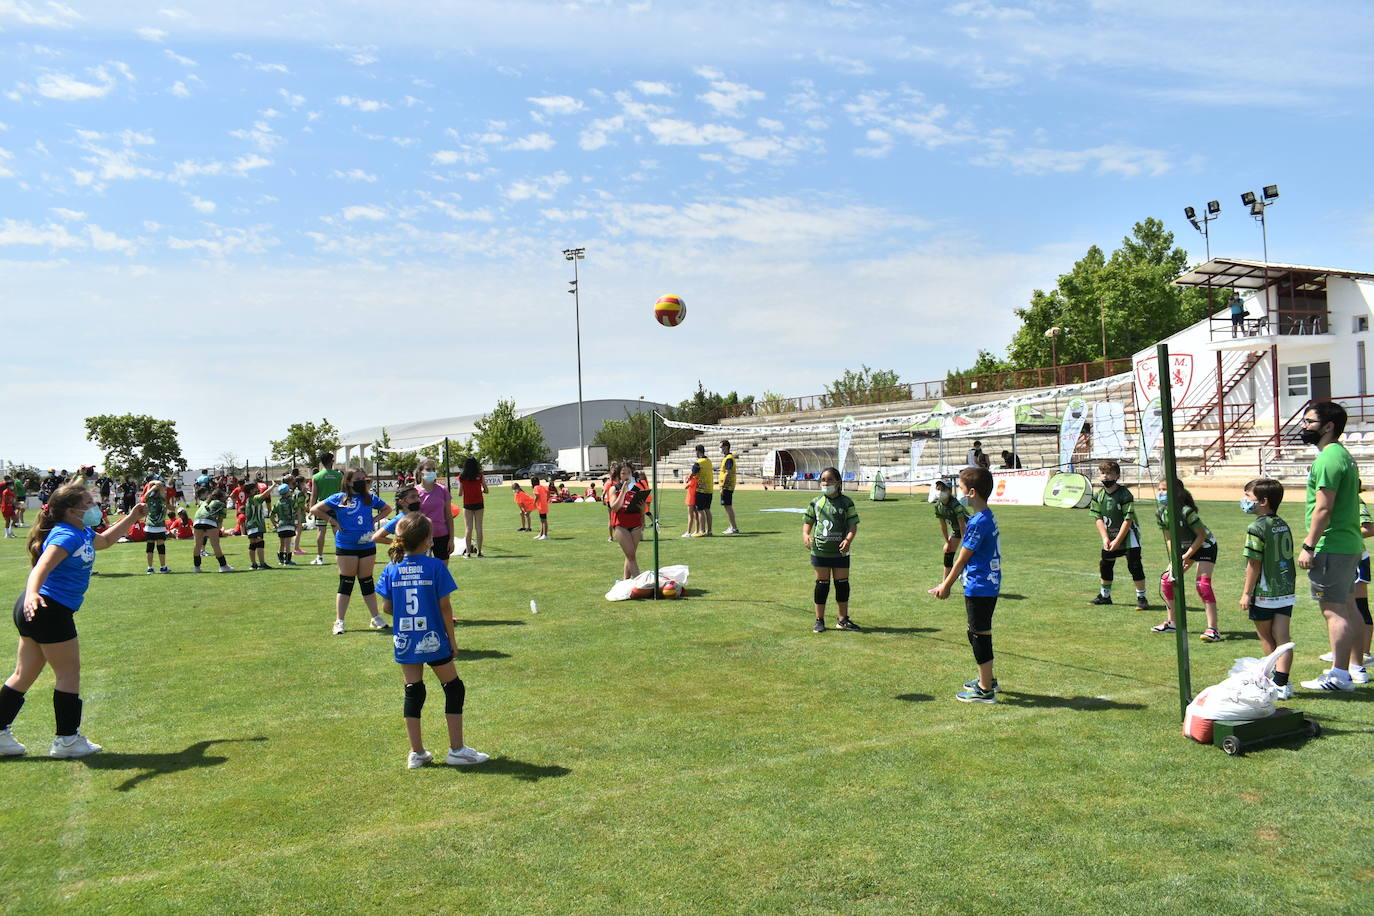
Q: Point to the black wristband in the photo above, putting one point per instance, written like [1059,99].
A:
[1309,548]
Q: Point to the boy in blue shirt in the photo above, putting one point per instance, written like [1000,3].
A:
[979,566]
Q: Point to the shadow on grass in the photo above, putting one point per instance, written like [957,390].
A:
[1345,696]
[491,623]
[151,765]
[1044,701]
[475,655]
[914,697]
[747,534]
[508,556]
[110,575]
[1060,663]
[525,772]
[868,629]
[1011,596]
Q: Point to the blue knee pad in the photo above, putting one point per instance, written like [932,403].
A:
[454,694]
[415,699]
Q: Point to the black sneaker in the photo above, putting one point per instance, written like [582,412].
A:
[973,684]
[1101,599]
[847,624]
[1142,604]
[819,627]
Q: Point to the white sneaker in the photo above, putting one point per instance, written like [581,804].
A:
[73,746]
[197,569]
[686,534]
[378,623]
[465,757]
[732,531]
[1284,693]
[150,570]
[318,561]
[1330,680]
[1326,657]
[415,761]
[338,628]
[9,747]
[226,568]
[1358,674]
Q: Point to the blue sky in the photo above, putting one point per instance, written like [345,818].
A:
[238,217]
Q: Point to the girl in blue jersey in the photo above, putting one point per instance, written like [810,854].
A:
[355,510]
[407,505]
[415,591]
[62,550]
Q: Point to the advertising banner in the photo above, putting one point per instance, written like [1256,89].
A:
[1068,491]
[1075,414]
[1019,488]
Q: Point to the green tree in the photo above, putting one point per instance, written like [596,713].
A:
[626,439]
[305,441]
[505,440]
[866,386]
[136,445]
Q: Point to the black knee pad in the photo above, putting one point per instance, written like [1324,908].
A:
[1362,605]
[257,545]
[346,585]
[367,585]
[822,591]
[949,559]
[982,646]
[454,693]
[415,699]
[1135,565]
[842,591]
[1107,570]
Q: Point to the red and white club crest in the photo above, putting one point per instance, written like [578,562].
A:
[1180,376]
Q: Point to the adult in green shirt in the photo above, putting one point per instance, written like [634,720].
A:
[323,485]
[1331,551]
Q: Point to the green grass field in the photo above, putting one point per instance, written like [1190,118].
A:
[705,755]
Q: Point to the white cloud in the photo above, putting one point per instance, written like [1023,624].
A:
[184,61]
[653,88]
[358,212]
[179,90]
[48,235]
[597,134]
[558,104]
[1109,159]
[5,171]
[355,175]
[260,135]
[49,15]
[764,221]
[272,68]
[150,34]
[848,66]
[363,59]
[541,188]
[248,162]
[672,132]
[69,215]
[291,98]
[983,9]
[200,204]
[226,240]
[533,142]
[726,97]
[349,101]
[174,14]
[466,156]
[67,88]
[104,240]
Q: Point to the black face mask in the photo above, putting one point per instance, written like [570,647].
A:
[360,486]
[412,507]
[1310,436]
[1109,482]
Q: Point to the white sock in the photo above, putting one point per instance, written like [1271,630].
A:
[1140,593]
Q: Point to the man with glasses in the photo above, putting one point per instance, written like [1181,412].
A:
[1331,550]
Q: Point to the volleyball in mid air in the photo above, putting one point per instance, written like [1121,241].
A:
[670,310]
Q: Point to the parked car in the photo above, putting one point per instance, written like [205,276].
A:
[546,470]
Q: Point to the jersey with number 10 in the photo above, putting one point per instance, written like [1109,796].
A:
[1269,540]
[414,586]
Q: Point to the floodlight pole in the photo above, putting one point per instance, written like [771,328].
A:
[575,255]
[653,484]
[1166,410]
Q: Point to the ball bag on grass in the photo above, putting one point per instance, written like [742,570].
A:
[642,585]
[1247,694]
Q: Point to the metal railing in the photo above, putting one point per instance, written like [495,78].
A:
[1242,421]
[1359,408]
[1285,322]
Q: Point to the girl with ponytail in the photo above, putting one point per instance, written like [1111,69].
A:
[355,510]
[415,590]
[61,550]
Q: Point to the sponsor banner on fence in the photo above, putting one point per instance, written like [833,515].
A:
[1075,413]
[1068,491]
[494,480]
[1019,488]
[917,447]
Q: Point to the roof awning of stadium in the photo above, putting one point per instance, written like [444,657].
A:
[1231,273]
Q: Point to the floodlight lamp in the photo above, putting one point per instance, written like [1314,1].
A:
[1247,198]
[1214,207]
[1190,213]
[1195,225]
[1257,209]
[1271,192]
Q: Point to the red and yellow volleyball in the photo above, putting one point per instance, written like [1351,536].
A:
[670,310]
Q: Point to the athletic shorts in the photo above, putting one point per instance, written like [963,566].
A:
[824,562]
[155,535]
[627,528]
[978,609]
[1118,554]
[1333,575]
[53,623]
[727,497]
[368,551]
[9,515]
[443,547]
[286,532]
[474,507]
[438,662]
[703,501]
[207,526]
[1362,571]
[543,516]
[1267,613]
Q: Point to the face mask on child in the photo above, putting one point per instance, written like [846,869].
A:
[360,487]
[1162,497]
[1248,506]
[963,499]
[412,507]
[91,517]
[830,489]
[431,476]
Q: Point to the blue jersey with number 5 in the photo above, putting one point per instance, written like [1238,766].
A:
[414,587]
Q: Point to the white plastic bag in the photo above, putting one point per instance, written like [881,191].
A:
[1247,694]
[625,589]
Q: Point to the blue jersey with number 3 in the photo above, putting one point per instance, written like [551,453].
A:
[414,587]
[355,519]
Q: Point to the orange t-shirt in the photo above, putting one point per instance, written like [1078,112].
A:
[691,491]
[541,499]
[525,501]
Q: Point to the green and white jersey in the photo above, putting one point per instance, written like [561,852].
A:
[157,513]
[1116,509]
[1365,519]
[953,513]
[327,483]
[255,514]
[210,513]
[284,512]
[1269,540]
[830,521]
[1186,530]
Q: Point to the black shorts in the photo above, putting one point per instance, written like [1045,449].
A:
[440,661]
[207,526]
[1206,555]
[829,562]
[150,536]
[978,609]
[368,551]
[703,501]
[1267,613]
[53,623]
[727,497]
[285,533]
[543,516]
[443,547]
[474,507]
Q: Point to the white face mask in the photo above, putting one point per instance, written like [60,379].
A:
[830,489]
[963,499]
[431,476]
